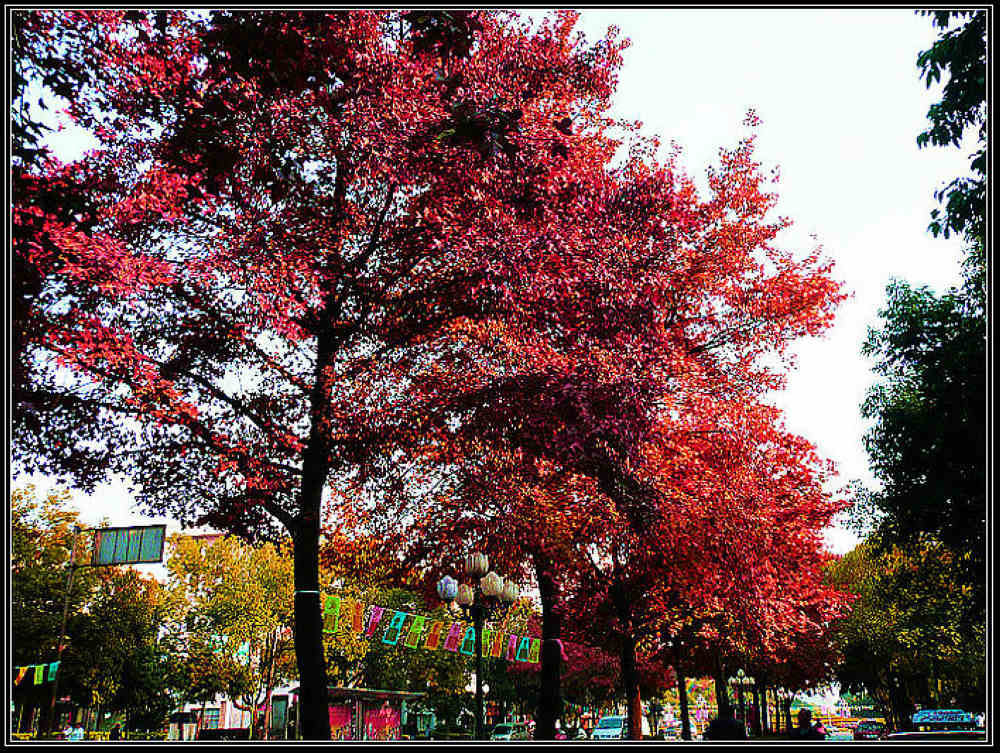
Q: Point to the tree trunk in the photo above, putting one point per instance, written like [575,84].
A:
[682,696]
[270,684]
[630,679]
[310,657]
[761,714]
[721,689]
[776,719]
[761,699]
[309,631]
[549,692]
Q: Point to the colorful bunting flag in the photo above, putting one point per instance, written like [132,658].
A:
[533,652]
[39,671]
[21,672]
[523,649]
[460,637]
[497,647]
[357,616]
[451,641]
[469,642]
[416,629]
[434,636]
[331,608]
[373,619]
[53,668]
[487,641]
[391,634]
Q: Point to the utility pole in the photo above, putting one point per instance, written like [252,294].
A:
[62,631]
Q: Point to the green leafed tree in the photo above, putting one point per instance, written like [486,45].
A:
[117,662]
[113,660]
[231,625]
[41,536]
[906,640]
[928,443]
[958,60]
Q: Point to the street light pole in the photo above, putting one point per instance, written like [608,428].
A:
[743,710]
[741,681]
[477,617]
[487,593]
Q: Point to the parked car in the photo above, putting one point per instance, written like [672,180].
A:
[510,731]
[615,728]
[838,733]
[610,728]
[942,735]
[937,720]
[869,730]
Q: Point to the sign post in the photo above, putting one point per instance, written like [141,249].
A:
[128,546]
[111,546]
[62,630]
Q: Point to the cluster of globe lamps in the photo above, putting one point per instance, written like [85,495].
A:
[491,585]
[488,592]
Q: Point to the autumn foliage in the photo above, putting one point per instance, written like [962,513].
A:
[389,260]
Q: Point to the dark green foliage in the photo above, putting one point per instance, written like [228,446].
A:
[113,659]
[907,639]
[928,444]
[960,53]
[917,630]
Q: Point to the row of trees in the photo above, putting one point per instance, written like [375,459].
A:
[114,661]
[917,634]
[401,277]
[221,625]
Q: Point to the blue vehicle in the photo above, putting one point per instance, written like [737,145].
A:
[935,720]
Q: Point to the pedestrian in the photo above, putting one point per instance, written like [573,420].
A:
[77,733]
[806,730]
[67,733]
[725,727]
[116,732]
[560,735]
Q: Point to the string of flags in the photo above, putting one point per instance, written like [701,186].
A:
[419,631]
[39,672]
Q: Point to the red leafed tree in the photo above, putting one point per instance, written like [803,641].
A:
[757,583]
[319,245]
[675,310]
[289,222]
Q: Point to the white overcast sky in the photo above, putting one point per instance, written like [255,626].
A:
[841,105]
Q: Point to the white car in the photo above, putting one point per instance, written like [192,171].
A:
[510,731]
[610,728]
[615,728]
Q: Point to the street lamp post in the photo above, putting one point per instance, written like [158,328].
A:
[742,682]
[655,710]
[488,594]
[786,696]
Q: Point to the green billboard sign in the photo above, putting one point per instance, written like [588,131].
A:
[129,546]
